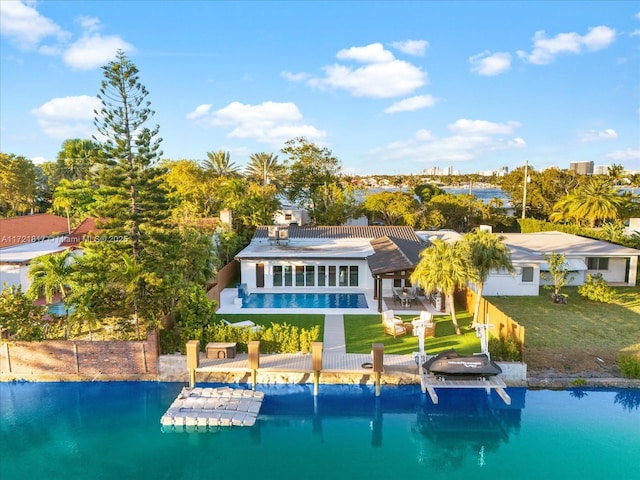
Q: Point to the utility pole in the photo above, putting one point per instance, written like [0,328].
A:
[524,189]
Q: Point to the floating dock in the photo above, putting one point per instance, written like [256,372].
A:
[208,409]
[431,382]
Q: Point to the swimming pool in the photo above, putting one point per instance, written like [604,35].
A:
[60,309]
[305,300]
[112,430]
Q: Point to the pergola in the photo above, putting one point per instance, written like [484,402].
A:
[394,258]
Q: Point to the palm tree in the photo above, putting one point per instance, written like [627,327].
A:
[130,277]
[220,165]
[265,169]
[49,275]
[488,253]
[445,267]
[77,157]
[593,202]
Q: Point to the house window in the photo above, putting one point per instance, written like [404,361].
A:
[288,276]
[397,282]
[344,278]
[277,276]
[332,275]
[309,275]
[527,274]
[321,276]
[598,263]
[299,276]
[353,276]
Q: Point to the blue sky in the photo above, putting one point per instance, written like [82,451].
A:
[389,87]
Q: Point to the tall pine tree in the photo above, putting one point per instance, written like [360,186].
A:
[129,196]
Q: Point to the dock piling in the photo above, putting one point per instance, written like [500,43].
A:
[193,360]
[254,361]
[316,365]
[377,351]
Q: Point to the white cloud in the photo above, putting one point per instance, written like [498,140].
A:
[30,30]
[26,28]
[465,126]
[546,49]
[89,24]
[412,47]
[489,64]
[471,140]
[268,122]
[294,77]
[381,76]
[594,136]
[635,33]
[94,51]
[374,53]
[200,111]
[67,117]
[627,155]
[411,104]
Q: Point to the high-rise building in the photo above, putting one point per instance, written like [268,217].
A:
[583,168]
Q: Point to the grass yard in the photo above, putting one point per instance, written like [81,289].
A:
[582,336]
[363,330]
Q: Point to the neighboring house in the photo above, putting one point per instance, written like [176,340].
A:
[32,236]
[24,238]
[299,258]
[380,258]
[617,264]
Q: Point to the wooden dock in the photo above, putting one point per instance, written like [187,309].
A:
[430,383]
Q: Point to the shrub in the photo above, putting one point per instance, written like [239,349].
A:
[504,350]
[629,364]
[596,289]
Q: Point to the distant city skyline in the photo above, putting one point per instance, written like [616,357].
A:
[389,87]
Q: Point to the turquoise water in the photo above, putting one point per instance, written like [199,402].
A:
[60,309]
[112,431]
[305,300]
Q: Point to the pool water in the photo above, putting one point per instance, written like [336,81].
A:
[60,309]
[112,431]
[305,300]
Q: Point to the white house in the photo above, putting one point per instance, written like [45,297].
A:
[24,238]
[338,259]
[31,236]
[379,258]
[617,264]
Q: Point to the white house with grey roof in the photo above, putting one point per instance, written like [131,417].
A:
[337,259]
[379,258]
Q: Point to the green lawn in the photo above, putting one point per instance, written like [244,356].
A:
[363,330]
[578,324]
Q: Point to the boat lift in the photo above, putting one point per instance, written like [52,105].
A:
[429,382]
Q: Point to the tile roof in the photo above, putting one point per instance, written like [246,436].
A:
[394,255]
[30,228]
[86,230]
[336,232]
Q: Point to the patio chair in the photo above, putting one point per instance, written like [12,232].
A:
[429,326]
[392,324]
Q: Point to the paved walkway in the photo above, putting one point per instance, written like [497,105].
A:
[334,341]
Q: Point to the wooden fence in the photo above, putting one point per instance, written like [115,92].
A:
[227,275]
[502,326]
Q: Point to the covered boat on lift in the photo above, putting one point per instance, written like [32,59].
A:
[451,364]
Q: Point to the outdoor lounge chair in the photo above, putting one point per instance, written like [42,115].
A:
[392,324]
[429,328]
[243,324]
